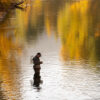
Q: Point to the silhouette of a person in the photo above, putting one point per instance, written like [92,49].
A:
[36,66]
[36,82]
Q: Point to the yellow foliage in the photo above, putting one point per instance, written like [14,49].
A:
[73,23]
[10,51]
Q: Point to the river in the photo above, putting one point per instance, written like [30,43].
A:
[67,33]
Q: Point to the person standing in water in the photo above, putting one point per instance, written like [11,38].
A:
[36,66]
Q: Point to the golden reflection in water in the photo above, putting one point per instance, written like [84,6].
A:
[75,23]
[35,13]
[75,27]
[49,19]
[29,21]
[51,9]
[22,19]
[12,36]
[10,52]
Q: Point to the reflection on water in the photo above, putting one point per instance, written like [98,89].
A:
[79,38]
[68,35]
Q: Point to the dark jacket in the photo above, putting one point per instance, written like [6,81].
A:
[36,61]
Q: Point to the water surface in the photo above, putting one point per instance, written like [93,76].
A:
[67,33]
